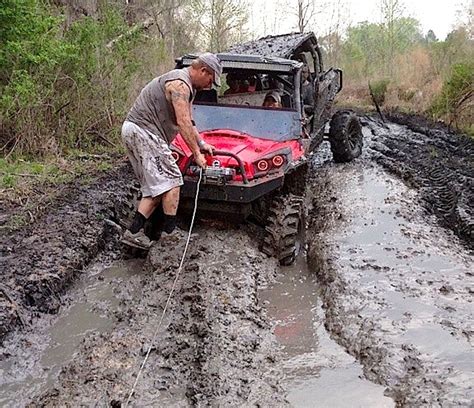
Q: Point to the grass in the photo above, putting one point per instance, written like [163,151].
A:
[29,187]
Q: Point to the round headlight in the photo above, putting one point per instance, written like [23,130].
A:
[278,161]
[262,165]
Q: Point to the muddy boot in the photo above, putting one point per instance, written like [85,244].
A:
[173,237]
[154,224]
[138,240]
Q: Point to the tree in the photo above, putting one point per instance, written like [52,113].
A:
[391,10]
[306,11]
[331,42]
[221,22]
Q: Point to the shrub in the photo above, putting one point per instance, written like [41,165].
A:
[61,88]
[457,94]
[378,90]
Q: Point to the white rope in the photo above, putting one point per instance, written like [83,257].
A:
[171,293]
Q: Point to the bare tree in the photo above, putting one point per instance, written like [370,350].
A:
[306,11]
[392,11]
[338,20]
[222,22]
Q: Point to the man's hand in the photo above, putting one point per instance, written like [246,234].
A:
[200,160]
[207,148]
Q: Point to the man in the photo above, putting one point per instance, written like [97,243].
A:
[233,84]
[272,100]
[307,91]
[163,109]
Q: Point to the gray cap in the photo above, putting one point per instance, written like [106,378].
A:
[214,63]
[274,95]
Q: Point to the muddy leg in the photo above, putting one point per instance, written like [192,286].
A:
[170,208]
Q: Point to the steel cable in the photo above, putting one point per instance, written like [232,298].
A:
[170,295]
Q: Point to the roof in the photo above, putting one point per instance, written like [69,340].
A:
[251,62]
[283,45]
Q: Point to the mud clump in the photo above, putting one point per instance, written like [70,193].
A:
[39,262]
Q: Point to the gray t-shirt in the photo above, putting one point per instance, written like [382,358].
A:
[152,111]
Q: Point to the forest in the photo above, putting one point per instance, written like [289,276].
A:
[69,70]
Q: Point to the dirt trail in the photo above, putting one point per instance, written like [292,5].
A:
[396,288]
[39,262]
[392,288]
[215,346]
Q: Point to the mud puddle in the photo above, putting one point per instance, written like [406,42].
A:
[317,371]
[31,363]
[397,288]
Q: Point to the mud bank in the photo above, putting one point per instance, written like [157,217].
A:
[395,287]
[38,263]
[215,347]
[434,160]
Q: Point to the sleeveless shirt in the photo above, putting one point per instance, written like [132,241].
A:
[153,112]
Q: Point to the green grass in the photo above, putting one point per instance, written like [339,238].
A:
[13,171]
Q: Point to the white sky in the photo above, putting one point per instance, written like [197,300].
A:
[438,15]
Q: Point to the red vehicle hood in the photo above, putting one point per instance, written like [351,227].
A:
[248,148]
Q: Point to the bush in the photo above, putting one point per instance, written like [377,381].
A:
[456,98]
[378,90]
[61,88]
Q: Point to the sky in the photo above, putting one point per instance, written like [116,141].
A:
[437,15]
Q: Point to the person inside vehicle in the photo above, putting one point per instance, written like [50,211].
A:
[307,91]
[233,83]
[272,100]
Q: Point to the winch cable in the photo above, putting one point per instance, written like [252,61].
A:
[171,293]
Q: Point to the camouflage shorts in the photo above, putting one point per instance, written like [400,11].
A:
[151,159]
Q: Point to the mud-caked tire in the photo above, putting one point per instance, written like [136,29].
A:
[284,224]
[345,136]
[126,208]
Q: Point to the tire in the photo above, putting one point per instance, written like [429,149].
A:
[345,136]
[126,208]
[283,228]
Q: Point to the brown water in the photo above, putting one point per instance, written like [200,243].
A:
[36,359]
[409,278]
[318,372]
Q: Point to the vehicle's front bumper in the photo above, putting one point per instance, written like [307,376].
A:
[236,192]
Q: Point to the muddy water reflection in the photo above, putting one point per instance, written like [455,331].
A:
[411,279]
[318,373]
[34,361]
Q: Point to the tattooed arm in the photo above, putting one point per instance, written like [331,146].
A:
[204,146]
[178,93]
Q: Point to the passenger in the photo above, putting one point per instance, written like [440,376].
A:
[252,84]
[272,100]
[244,86]
[234,85]
[307,91]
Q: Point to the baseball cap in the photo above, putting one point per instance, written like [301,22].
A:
[274,95]
[214,63]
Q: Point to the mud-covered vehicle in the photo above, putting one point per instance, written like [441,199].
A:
[260,161]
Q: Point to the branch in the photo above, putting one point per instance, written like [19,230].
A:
[144,25]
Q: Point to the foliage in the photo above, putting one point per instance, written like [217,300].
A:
[379,90]
[60,87]
[457,93]
[369,49]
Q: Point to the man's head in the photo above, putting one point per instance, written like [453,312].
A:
[205,71]
[272,100]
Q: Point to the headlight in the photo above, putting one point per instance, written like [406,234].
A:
[278,161]
[262,165]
